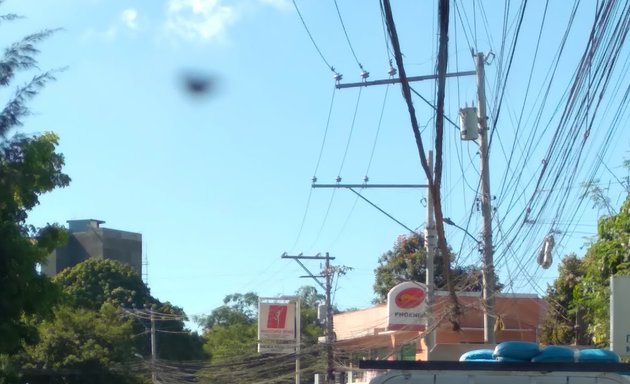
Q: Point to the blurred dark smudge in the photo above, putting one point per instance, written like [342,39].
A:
[199,84]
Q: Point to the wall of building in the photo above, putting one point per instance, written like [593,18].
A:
[521,315]
[87,239]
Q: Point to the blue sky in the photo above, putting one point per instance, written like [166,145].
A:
[219,185]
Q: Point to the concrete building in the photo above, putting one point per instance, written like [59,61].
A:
[364,334]
[87,239]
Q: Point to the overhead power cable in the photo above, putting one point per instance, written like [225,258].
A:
[312,39]
[382,211]
[319,159]
[354,119]
[345,32]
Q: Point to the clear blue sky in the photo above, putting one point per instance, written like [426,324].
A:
[219,185]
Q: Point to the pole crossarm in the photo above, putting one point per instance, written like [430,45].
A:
[316,257]
[397,80]
[366,186]
[310,274]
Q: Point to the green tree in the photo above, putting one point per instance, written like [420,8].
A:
[407,261]
[309,302]
[563,323]
[29,167]
[581,293]
[79,345]
[95,282]
[231,330]
[237,308]
[606,257]
[231,334]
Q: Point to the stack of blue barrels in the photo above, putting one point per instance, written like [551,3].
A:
[524,351]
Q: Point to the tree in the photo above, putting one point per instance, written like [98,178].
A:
[231,330]
[581,293]
[606,257]
[309,303]
[95,282]
[407,261]
[79,345]
[562,323]
[29,167]
[237,308]
[231,334]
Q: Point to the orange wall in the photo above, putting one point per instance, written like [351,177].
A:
[521,315]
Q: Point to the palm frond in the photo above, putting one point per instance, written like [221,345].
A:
[10,17]
[20,55]
[16,109]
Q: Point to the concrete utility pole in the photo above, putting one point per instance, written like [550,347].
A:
[486,208]
[153,349]
[430,244]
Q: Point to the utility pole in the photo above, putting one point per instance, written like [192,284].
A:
[148,313]
[153,349]
[327,274]
[486,209]
[430,244]
[330,378]
[298,339]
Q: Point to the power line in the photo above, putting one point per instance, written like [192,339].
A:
[321,55]
[345,32]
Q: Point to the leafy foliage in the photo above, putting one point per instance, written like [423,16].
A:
[78,344]
[608,256]
[94,282]
[581,293]
[29,167]
[237,308]
[230,333]
[563,323]
[231,329]
[407,261]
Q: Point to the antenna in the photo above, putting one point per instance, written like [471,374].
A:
[145,265]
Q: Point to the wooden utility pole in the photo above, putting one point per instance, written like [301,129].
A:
[327,274]
[330,367]
[486,208]
[298,339]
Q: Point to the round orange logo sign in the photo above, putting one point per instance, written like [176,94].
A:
[410,298]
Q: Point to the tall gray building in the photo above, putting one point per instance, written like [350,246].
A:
[87,239]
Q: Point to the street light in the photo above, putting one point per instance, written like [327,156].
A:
[450,222]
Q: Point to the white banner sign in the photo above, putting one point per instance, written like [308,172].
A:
[620,315]
[406,305]
[271,346]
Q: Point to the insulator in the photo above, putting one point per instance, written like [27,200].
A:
[338,77]
[365,74]
[339,179]
[392,71]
